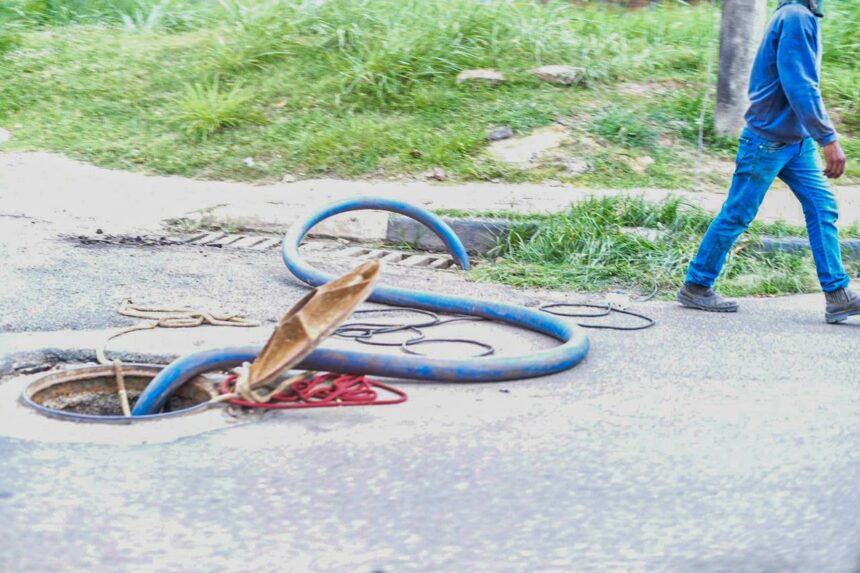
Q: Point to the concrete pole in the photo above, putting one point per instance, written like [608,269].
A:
[741,32]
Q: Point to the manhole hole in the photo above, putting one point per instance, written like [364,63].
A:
[90,394]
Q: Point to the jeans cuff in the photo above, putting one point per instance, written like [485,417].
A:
[694,278]
[844,283]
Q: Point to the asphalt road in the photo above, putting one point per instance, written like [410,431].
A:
[709,443]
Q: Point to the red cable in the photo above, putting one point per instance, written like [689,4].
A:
[323,391]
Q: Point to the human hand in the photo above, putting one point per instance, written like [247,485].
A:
[835,160]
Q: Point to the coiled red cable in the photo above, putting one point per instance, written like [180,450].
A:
[323,391]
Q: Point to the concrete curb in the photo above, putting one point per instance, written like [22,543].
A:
[481,236]
[850,247]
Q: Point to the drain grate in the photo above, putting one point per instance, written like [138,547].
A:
[225,240]
[405,259]
[259,243]
[263,243]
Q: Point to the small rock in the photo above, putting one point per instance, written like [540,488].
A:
[248,161]
[4,135]
[437,174]
[640,165]
[288,178]
[559,74]
[500,133]
[481,75]
[577,166]
[99,231]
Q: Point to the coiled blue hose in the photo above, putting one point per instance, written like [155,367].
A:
[573,349]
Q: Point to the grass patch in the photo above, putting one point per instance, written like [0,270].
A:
[625,129]
[133,14]
[366,87]
[592,248]
[206,109]
[10,37]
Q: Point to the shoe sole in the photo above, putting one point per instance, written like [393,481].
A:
[689,303]
[841,317]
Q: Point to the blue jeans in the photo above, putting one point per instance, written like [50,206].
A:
[759,163]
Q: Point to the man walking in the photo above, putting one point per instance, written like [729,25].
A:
[785,118]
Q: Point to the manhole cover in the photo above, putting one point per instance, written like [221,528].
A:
[90,394]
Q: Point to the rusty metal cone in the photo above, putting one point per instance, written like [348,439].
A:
[310,321]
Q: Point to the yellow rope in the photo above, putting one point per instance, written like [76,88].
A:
[170,318]
[162,318]
[183,317]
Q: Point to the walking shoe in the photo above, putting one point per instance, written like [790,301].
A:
[704,298]
[841,304]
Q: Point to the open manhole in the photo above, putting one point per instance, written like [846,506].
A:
[90,394]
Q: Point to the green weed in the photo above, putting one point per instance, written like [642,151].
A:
[207,108]
[10,38]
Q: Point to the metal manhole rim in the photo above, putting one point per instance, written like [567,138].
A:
[43,382]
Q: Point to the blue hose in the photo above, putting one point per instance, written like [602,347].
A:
[573,349]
